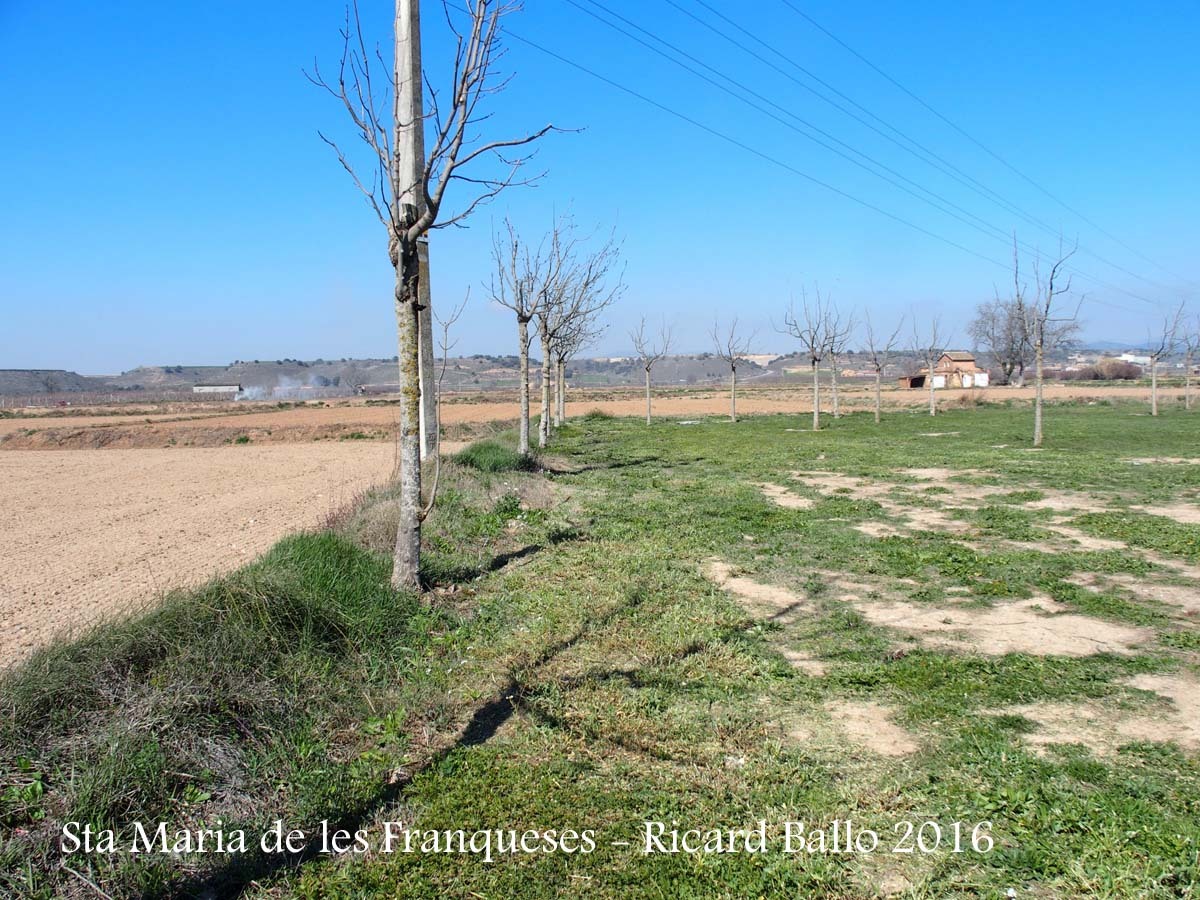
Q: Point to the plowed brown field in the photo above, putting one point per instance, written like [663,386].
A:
[88,534]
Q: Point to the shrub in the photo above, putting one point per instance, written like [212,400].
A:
[1106,370]
[488,456]
[1119,370]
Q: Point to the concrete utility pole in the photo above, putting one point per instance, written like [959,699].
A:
[410,122]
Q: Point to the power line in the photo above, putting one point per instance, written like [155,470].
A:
[792,6]
[983,225]
[749,149]
[922,153]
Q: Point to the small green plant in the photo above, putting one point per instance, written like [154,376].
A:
[242,439]
[21,800]
[508,507]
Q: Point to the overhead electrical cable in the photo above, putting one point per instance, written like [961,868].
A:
[897,137]
[978,143]
[729,139]
[933,199]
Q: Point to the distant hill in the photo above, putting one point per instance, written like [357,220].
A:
[281,379]
[46,381]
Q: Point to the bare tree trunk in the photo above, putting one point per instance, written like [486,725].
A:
[406,259]
[878,394]
[523,387]
[544,421]
[1154,385]
[647,396]
[816,374]
[932,395]
[555,394]
[733,395]
[1187,381]
[406,560]
[429,420]
[560,380]
[833,387]
[1038,381]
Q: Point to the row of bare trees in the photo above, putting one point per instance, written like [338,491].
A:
[406,162]
[825,333]
[1020,330]
[560,286]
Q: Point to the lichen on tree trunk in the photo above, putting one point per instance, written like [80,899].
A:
[406,559]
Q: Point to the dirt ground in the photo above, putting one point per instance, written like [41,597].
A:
[88,535]
[217,424]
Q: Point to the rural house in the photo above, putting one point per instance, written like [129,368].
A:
[954,368]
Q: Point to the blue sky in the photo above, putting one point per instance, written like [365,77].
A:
[166,198]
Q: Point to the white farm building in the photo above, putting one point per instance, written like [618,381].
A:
[211,389]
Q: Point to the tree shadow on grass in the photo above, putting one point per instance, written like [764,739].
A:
[242,872]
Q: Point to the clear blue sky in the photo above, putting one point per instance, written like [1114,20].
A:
[166,198]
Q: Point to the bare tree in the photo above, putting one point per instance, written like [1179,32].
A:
[650,351]
[1044,325]
[1161,346]
[569,340]
[838,331]
[997,329]
[525,278]
[732,348]
[406,187]
[879,352]
[1191,348]
[928,345]
[575,298]
[810,327]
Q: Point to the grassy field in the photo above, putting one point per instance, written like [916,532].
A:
[709,624]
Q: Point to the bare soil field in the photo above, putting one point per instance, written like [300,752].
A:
[88,535]
[216,425]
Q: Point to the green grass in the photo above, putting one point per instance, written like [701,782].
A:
[579,672]
[1152,532]
[490,456]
